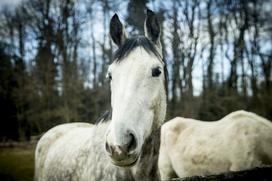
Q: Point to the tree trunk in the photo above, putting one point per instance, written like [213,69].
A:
[212,46]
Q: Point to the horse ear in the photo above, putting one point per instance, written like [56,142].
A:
[117,31]
[152,27]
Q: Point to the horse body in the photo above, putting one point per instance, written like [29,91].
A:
[76,151]
[239,141]
[125,144]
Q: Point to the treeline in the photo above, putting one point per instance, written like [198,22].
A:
[54,56]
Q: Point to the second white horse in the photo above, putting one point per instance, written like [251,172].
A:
[239,141]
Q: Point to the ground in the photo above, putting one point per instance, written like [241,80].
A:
[17,163]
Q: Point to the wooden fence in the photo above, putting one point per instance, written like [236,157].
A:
[254,174]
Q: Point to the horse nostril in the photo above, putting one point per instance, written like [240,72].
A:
[108,148]
[132,144]
[121,151]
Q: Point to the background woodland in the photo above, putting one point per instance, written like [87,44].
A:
[54,56]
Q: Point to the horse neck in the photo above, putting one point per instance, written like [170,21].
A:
[147,167]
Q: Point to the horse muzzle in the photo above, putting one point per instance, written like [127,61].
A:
[122,156]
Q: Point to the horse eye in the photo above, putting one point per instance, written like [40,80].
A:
[109,76]
[156,72]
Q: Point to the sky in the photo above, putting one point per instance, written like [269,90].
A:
[9,3]
[99,30]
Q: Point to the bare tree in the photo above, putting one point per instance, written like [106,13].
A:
[212,34]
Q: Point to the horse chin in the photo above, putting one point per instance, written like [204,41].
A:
[126,163]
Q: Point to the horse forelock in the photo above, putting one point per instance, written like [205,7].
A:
[131,43]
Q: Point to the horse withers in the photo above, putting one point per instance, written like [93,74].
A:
[124,145]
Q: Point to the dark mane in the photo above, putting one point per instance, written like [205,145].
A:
[131,43]
[104,118]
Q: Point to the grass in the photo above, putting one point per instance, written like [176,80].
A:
[17,164]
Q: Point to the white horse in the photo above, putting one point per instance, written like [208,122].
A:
[125,144]
[239,141]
